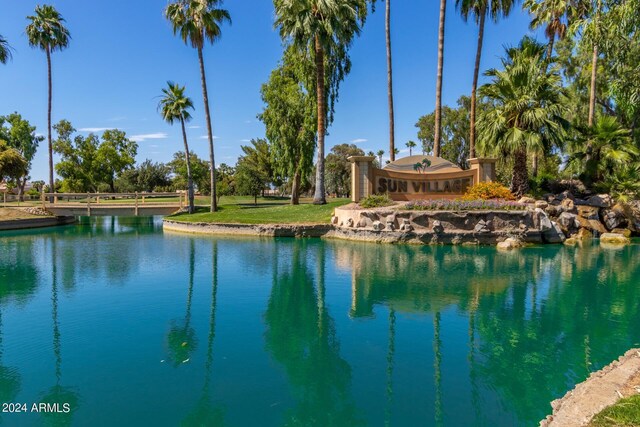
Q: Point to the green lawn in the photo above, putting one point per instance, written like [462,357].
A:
[241,210]
[625,413]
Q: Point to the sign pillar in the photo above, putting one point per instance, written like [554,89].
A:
[484,168]
[361,177]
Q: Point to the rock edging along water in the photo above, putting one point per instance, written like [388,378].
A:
[266,230]
[603,388]
[21,224]
[441,227]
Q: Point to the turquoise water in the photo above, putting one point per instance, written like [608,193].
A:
[131,326]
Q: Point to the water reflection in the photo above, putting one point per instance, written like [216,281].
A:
[205,413]
[63,399]
[301,336]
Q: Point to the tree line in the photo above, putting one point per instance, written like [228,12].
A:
[575,98]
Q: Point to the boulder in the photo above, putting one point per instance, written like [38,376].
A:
[600,201]
[613,218]
[553,211]
[568,222]
[571,241]
[588,212]
[541,204]
[481,227]
[568,205]
[527,200]
[391,222]
[554,235]
[362,223]
[377,226]
[614,239]
[437,227]
[406,225]
[583,234]
[566,194]
[592,225]
[509,244]
[622,231]
[350,222]
[334,220]
[545,222]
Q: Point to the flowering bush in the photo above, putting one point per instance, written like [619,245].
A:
[464,205]
[488,191]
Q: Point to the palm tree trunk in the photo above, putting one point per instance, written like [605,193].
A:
[295,188]
[592,95]
[319,196]
[188,160]
[552,40]
[390,79]
[52,188]
[212,178]
[476,72]
[438,124]
[520,177]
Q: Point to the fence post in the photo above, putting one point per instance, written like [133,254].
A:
[136,203]
[42,197]
[181,206]
[4,202]
[88,205]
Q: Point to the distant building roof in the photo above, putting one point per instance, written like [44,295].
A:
[406,164]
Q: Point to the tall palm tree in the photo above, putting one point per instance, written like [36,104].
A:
[411,145]
[438,118]
[47,32]
[550,13]
[479,9]
[5,50]
[380,153]
[198,21]
[326,28]
[175,105]
[529,106]
[387,27]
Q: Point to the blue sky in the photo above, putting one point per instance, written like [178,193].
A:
[122,53]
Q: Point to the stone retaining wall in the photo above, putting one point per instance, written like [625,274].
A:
[18,224]
[267,230]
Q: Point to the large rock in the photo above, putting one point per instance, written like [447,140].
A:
[527,200]
[554,235]
[437,227]
[377,226]
[600,201]
[568,222]
[613,218]
[614,239]
[545,222]
[567,205]
[509,244]
[583,234]
[623,231]
[593,225]
[481,227]
[541,204]
[588,212]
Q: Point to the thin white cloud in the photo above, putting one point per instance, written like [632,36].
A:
[144,137]
[194,127]
[245,140]
[153,146]
[207,137]
[92,129]
[359,141]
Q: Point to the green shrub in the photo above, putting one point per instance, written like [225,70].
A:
[488,191]
[376,201]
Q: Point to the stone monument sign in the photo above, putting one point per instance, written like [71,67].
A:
[417,177]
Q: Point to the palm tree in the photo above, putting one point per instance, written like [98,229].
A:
[604,148]
[5,50]
[438,118]
[550,13]
[529,106]
[411,145]
[380,153]
[326,28]
[479,9]
[198,21]
[175,105]
[47,32]
[387,27]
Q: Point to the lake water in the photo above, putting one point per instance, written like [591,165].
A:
[131,326]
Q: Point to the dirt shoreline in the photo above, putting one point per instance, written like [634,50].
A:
[603,388]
